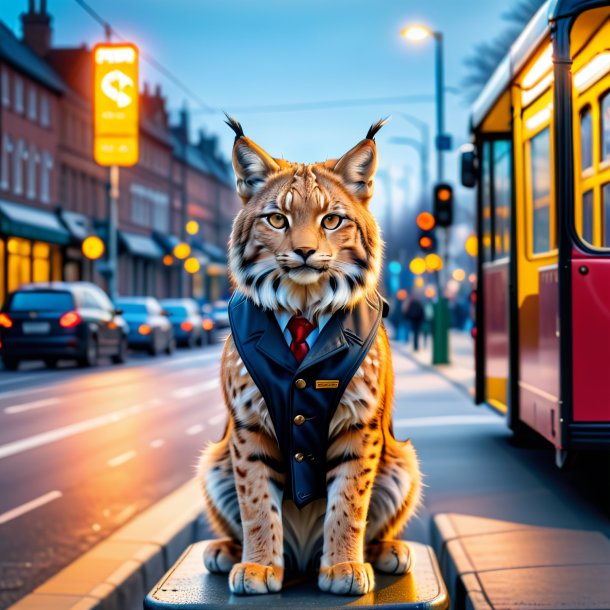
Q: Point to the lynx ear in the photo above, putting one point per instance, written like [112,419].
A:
[252,165]
[358,165]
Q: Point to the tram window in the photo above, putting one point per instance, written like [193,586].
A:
[606,209]
[605,103]
[540,160]
[486,193]
[587,216]
[586,139]
[502,197]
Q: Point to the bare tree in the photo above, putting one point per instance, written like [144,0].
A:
[487,55]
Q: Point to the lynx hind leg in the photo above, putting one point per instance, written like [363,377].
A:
[396,492]
[390,556]
[219,556]
[215,474]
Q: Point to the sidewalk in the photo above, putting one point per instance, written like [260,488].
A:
[460,370]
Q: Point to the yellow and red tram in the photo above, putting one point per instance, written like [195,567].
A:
[541,164]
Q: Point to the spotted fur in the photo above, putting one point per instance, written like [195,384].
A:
[373,481]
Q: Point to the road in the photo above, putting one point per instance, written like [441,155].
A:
[84,450]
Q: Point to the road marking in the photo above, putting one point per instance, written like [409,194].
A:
[196,429]
[122,458]
[158,442]
[28,406]
[58,434]
[217,418]
[193,390]
[447,420]
[28,506]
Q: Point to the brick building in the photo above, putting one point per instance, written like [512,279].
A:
[53,194]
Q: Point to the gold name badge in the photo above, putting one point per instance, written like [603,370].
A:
[327,384]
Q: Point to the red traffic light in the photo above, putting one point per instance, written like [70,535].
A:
[443,194]
[425,221]
[425,242]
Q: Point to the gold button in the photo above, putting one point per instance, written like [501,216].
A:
[300,384]
[299,457]
[299,420]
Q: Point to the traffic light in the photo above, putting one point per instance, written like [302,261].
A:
[426,240]
[443,204]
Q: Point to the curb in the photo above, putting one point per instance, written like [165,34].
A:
[117,573]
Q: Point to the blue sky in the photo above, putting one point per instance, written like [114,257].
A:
[236,53]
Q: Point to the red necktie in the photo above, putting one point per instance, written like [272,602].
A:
[299,329]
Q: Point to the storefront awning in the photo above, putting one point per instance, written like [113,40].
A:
[77,224]
[140,245]
[31,223]
[216,254]
[167,242]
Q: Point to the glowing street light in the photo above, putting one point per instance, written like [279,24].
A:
[417,266]
[472,246]
[93,247]
[416,32]
[182,251]
[433,262]
[459,275]
[192,265]
[192,227]
[168,260]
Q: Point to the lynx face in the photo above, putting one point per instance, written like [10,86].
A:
[305,241]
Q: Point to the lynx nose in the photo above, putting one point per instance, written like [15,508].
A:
[304,254]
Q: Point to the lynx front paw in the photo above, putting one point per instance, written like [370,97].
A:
[253,578]
[392,556]
[220,556]
[347,578]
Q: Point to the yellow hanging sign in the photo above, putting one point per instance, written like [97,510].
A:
[115,104]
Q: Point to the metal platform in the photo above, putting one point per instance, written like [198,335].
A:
[189,586]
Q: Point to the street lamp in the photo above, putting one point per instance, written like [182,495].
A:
[417,33]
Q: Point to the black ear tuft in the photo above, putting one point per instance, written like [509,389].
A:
[375,127]
[235,125]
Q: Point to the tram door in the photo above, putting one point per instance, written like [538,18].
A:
[496,194]
[590,272]
[536,248]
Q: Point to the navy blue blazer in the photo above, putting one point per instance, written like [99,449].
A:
[302,399]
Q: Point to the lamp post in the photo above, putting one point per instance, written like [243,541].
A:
[417,33]
[422,150]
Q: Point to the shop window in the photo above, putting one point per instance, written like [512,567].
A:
[502,180]
[586,139]
[45,110]
[606,214]
[540,189]
[6,88]
[605,108]
[32,103]
[19,262]
[7,153]
[587,217]
[18,94]
[41,254]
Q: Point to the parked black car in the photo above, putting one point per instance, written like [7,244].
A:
[186,320]
[61,320]
[149,326]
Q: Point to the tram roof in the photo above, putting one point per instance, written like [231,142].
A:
[521,50]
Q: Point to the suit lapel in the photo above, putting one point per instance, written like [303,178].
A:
[273,344]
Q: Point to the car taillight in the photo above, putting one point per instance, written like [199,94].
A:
[207,324]
[144,329]
[5,321]
[186,326]
[70,319]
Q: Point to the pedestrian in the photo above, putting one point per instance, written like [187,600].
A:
[415,316]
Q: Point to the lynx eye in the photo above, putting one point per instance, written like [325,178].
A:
[331,221]
[277,221]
